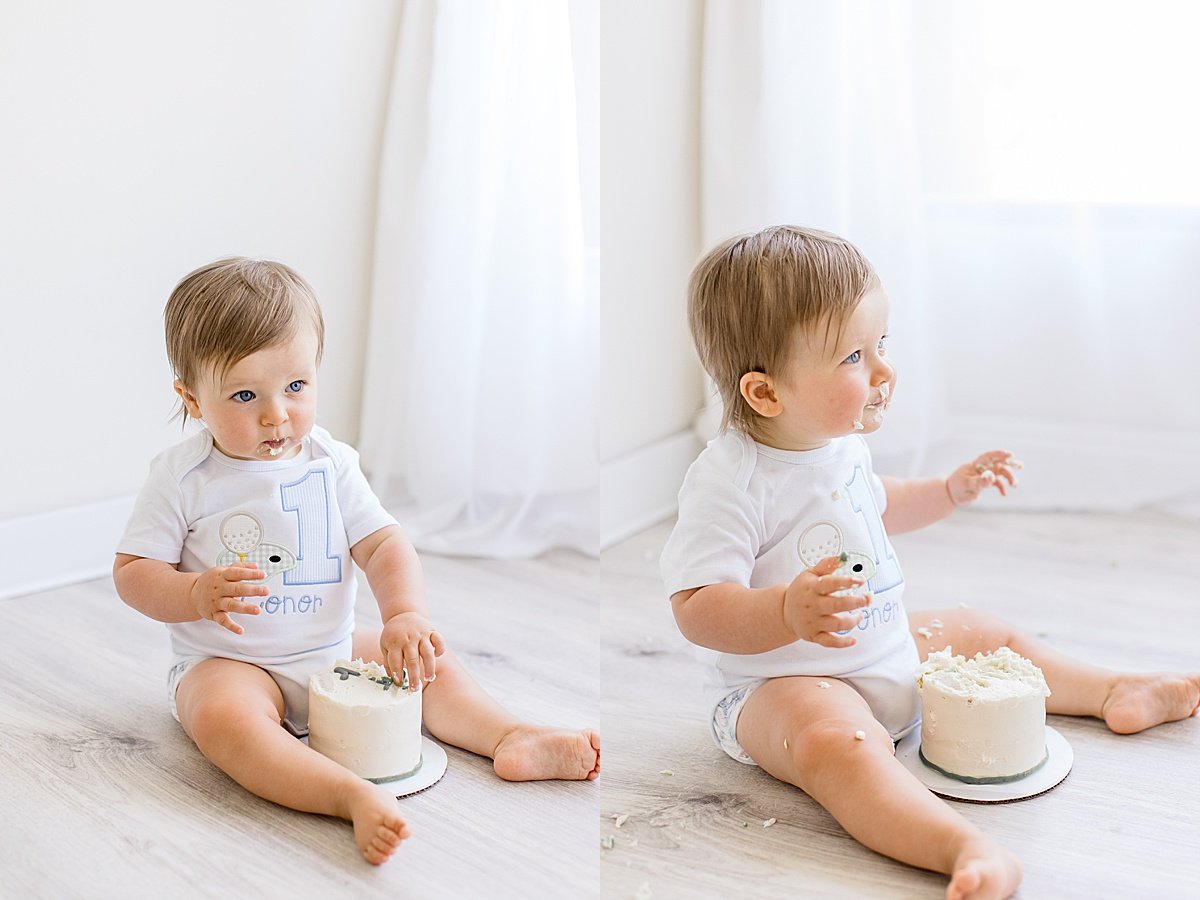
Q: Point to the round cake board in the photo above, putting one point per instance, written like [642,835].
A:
[433,767]
[1049,776]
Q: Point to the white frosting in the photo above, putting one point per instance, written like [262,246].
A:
[982,719]
[372,729]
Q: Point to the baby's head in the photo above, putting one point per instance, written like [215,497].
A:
[235,328]
[752,295]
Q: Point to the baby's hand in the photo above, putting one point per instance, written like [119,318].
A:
[811,611]
[409,642]
[991,469]
[215,594]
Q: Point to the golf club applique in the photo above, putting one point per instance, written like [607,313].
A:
[242,537]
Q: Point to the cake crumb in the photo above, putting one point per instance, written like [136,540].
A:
[860,735]
[769,822]
[607,842]
[785,744]
[620,819]
[823,685]
[665,772]
[836,495]
[937,623]
[925,633]
[858,426]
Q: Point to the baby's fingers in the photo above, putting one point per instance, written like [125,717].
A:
[412,665]
[439,645]
[843,603]
[831,584]
[826,566]
[223,619]
[242,573]
[839,622]
[234,605]
[428,657]
[837,641]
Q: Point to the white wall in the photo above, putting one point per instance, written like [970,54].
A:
[650,234]
[142,139]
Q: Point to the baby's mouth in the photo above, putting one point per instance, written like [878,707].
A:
[885,398]
[275,446]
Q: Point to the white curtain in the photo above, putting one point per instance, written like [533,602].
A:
[478,403]
[1023,176]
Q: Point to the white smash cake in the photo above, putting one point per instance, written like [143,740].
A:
[983,720]
[359,717]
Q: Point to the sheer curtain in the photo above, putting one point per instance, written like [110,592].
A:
[1030,198]
[477,410]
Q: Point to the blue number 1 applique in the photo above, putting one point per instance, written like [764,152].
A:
[887,574]
[308,498]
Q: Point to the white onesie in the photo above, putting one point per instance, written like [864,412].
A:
[296,519]
[756,516]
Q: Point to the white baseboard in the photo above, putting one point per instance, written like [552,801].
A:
[48,550]
[640,488]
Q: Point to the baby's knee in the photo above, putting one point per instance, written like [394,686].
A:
[988,627]
[835,743]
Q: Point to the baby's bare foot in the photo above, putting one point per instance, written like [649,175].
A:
[378,826]
[983,871]
[535,753]
[1138,702]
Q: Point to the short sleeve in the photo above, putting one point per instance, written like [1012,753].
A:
[716,538]
[158,526]
[362,513]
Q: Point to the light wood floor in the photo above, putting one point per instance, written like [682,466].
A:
[102,795]
[1120,591]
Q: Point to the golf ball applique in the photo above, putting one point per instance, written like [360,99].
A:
[242,538]
[824,539]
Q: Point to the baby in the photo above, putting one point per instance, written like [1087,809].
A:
[781,563]
[242,541]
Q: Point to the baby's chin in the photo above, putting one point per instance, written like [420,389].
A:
[871,420]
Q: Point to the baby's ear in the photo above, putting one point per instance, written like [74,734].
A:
[759,391]
[189,399]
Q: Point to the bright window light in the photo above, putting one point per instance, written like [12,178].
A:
[1092,101]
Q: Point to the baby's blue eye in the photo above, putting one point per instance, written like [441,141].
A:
[244,396]
[853,357]
[296,387]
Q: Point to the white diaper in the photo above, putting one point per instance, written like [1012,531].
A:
[291,673]
[889,687]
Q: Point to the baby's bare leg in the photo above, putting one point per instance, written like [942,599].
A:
[232,710]
[804,734]
[458,711]
[1127,702]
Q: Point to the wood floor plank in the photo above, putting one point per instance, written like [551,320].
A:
[104,796]
[1116,590]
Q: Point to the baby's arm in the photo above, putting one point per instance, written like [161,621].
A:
[913,503]
[736,619]
[393,570]
[158,590]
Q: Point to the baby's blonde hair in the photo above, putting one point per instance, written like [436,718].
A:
[224,311]
[750,295]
